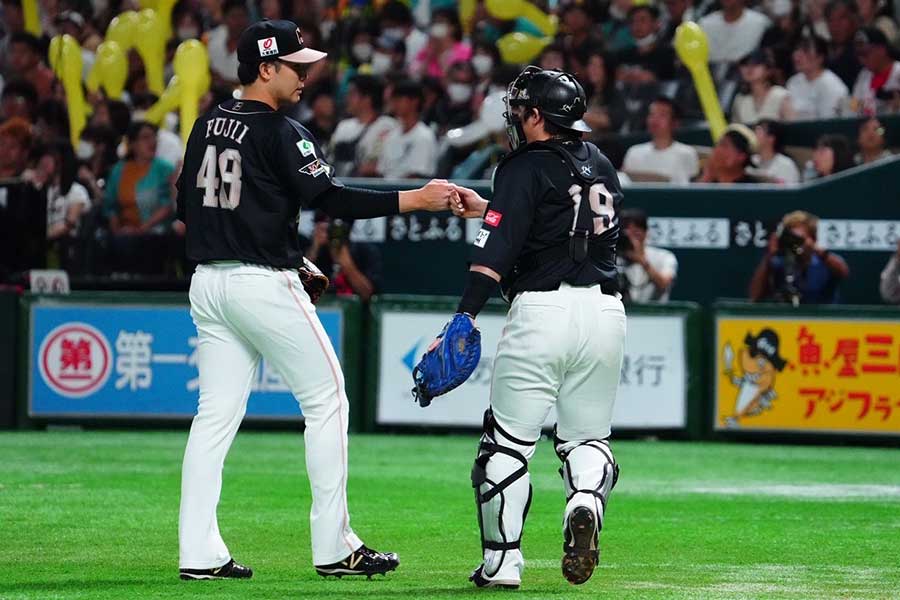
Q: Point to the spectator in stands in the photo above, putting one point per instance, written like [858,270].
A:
[51,123]
[55,174]
[358,140]
[615,27]
[832,155]
[871,143]
[843,22]
[871,15]
[606,106]
[485,58]
[579,37]
[731,156]
[15,146]
[97,153]
[455,108]
[26,60]
[409,150]
[138,202]
[388,57]
[353,268]
[13,22]
[71,22]
[322,122]
[646,272]
[169,146]
[734,31]
[795,267]
[782,37]
[187,24]
[553,57]
[222,43]
[677,12]
[770,162]
[761,99]
[877,88]
[19,99]
[445,45]
[650,59]
[396,23]
[816,92]
[662,155]
[890,279]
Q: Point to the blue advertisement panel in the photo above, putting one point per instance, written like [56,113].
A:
[94,360]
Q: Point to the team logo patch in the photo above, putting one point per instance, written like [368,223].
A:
[315,168]
[586,170]
[267,47]
[481,237]
[306,148]
[493,217]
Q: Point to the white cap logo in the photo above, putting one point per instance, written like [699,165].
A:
[267,47]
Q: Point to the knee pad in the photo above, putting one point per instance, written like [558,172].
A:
[502,489]
[589,472]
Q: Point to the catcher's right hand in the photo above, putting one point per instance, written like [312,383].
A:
[314,281]
[449,361]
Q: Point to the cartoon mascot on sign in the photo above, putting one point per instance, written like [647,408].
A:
[759,361]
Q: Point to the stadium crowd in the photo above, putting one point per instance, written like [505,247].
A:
[413,91]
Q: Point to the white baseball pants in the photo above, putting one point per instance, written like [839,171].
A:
[243,312]
[562,348]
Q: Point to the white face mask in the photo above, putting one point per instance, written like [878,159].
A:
[395,33]
[187,33]
[362,52]
[381,63]
[482,63]
[645,41]
[84,151]
[459,92]
[440,30]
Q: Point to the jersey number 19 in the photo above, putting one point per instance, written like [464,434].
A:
[215,172]
[601,202]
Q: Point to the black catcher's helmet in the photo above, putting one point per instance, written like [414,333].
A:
[556,94]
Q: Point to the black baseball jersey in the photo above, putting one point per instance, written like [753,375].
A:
[248,170]
[529,227]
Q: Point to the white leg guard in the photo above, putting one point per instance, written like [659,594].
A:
[589,472]
[502,496]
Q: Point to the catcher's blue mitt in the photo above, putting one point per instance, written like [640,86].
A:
[451,362]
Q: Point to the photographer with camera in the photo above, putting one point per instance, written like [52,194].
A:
[353,268]
[795,268]
[646,273]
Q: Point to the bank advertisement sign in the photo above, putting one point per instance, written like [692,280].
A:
[652,392]
[94,360]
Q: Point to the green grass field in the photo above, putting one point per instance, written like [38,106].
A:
[94,515]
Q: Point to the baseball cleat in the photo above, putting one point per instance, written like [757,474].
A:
[477,577]
[364,561]
[230,570]
[580,552]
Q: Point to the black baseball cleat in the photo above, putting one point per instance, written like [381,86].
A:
[477,577]
[364,561]
[230,570]
[580,552]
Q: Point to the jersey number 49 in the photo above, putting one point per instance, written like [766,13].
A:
[215,172]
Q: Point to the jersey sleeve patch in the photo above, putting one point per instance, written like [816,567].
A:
[493,218]
[481,237]
[315,168]
[306,148]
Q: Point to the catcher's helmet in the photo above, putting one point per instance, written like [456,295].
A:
[556,94]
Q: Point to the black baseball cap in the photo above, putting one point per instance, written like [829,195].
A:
[270,40]
[870,36]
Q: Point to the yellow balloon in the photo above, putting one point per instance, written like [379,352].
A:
[151,45]
[191,66]
[519,48]
[31,18]
[110,70]
[168,102]
[123,30]
[163,10]
[466,12]
[513,9]
[65,59]
[693,50]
